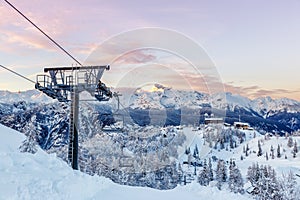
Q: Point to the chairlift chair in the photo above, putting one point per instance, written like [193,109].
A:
[117,115]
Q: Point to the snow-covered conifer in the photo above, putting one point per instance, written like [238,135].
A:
[259,153]
[278,152]
[295,149]
[290,142]
[29,144]
[235,180]
[272,152]
[203,177]
[210,171]
[221,174]
[289,190]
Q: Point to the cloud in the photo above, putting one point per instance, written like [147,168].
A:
[256,91]
[25,40]
[273,92]
[82,48]
[136,57]
[17,34]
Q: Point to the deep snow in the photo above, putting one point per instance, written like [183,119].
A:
[44,176]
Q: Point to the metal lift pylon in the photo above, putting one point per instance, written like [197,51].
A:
[65,84]
[73,133]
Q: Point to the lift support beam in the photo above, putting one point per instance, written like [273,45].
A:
[65,86]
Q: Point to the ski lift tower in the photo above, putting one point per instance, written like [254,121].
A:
[65,84]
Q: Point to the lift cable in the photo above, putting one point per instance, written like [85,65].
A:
[52,40]
[16,73]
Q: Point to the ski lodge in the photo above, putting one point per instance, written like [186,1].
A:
[213,120]
[241,125]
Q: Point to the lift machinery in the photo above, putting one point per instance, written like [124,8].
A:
[65,84]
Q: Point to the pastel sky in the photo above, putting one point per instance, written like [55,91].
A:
[253,44]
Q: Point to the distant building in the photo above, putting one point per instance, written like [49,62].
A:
[213,120]
[241,125]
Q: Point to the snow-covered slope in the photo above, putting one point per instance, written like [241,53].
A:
[44,176]
[40,176]
[230,101]
[282,164]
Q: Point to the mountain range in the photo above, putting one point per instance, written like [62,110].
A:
[164,106]
[264,113]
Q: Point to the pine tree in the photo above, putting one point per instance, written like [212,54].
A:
[210,171]
[247,149]
[288,187]
[222,146]
[253,174]
[196,150]
[235,180]
[187,151]
[231,142]
[274,185]
[295,150]
[272,152]
[29,144]
[264,181]
[259,153]
[189,160]
[195,154]
[180,173]
[231,176]
[231,164]
[278,152]
[262,184]
[203,177]
[290,142]
[221,174]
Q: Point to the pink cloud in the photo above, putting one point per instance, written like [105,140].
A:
[258,91]
[25,40]
[137,57]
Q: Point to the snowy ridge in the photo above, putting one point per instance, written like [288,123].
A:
[165,97]
[29,96]
[172,98]
[168,98]
[268,106]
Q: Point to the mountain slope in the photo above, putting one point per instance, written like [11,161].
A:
[43,176]
[275,115]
